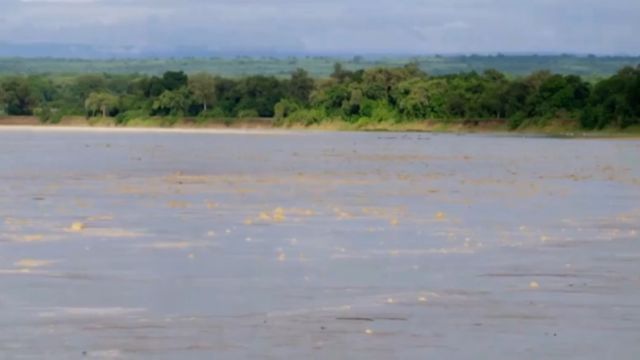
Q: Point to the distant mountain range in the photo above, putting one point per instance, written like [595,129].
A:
[86,51]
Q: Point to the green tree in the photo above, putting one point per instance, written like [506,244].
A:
[203,88]
[3,99]
[19,97]
[558,92]
[614,101]
[154,87]
[412,99]
[378,83]
[515,98]
[300,86]
[87,84]
[353,106]
[330,96]
[172,103]
[102,102]
[339,73]
[284,108]
[43,88]
[174,80]
[259,93]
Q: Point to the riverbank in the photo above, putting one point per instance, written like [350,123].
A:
[226,125]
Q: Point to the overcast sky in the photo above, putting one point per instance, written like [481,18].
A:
[332,26]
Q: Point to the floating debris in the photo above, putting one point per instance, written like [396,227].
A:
[14,222]
[355,318]
[178,204]
[178,245]
[77,227]
[32,238]
[100,218]
[211,205]
[278,215]
[341,214]
[440,216]
[534,285]
[264,216]
[368,332]
[32,263]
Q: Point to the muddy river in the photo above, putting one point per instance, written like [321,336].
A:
[168,245]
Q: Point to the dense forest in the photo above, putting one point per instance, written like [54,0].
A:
[404,93]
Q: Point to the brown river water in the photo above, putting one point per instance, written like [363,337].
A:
[169,245]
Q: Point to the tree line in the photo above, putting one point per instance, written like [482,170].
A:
[373,95]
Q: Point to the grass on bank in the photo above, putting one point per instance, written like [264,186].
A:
[555,127]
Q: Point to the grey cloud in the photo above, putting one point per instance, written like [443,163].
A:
[348,26]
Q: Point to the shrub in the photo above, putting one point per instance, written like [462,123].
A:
[47,115]
[383,112]
[248,113]
[305,117]
[125,117]
[284,108]
[213,113]
[516,121]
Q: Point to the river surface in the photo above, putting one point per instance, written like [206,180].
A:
[163,245]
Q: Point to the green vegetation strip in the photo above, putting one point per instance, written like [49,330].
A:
[378,98]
